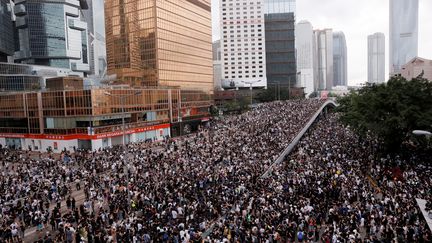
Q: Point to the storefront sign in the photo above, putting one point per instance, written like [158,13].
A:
[87,136]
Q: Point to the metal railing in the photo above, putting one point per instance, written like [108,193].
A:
[296,140]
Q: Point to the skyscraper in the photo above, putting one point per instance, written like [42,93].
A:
[279,6]
[160,43]
[323,59]
[403,33]
[280,42]
[305,56]
[217,71]
[52,34]
[340,72]
[376,58]
[88,17]
[6,30]
[243,43]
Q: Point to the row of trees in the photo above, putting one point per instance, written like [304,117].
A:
[389,111]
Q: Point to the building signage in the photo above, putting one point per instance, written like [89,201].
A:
[87,136]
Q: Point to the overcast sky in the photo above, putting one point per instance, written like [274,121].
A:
[357,19]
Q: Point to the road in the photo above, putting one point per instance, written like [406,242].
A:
[31,234]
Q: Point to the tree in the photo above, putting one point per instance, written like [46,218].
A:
[390,111]
[239,105]
[214,111]
[274,92]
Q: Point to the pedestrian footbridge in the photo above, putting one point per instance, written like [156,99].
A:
[296,140]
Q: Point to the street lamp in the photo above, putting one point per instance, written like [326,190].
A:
[250,83]
[122,99]
[277,91]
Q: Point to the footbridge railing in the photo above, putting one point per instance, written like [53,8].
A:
[296,140]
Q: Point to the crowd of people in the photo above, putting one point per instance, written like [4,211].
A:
[175,190]
[334,188]
[208,187]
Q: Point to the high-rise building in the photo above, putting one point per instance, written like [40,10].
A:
[280,43]
[323,59]
[305,55]
[340,73]
[102,65]
[403,33]
[243,43]
[69,115]
[160,43]
[6,30]
[52,33]
[216,47]
[99,48]
[217,65]
[88,17]
[376,58]
[279,6]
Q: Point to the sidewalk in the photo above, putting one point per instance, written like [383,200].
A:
[31,234]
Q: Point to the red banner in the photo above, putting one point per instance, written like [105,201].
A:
[86,136]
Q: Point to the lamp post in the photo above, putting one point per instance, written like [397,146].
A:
[126,169]
[250,87]
[277,91]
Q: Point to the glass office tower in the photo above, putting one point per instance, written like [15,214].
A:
[88,17]
[52,34]
[160,43]
[6,30]
[323,59]
[280,42]
[279,6]
[280,49]
[403,33]
[340,77]
[376,58]
[305,56]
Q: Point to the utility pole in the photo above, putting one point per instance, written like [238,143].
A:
[125,148]
[250,87]
[279,89]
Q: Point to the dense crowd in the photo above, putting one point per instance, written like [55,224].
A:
[170,191]
[334,188]
[208,187]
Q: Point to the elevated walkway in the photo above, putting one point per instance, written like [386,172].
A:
[422,205]
[296,140]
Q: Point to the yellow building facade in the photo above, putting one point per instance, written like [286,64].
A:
[160,43]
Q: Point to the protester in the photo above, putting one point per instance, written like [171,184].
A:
[208,187]
[324,190]
[177,188]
